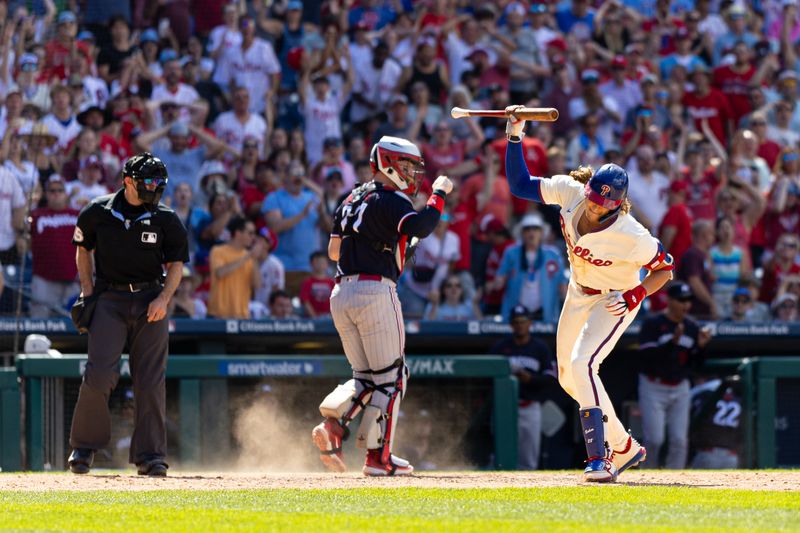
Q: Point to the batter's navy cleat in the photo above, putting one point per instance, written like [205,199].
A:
[632,455]
[80,460]
[395,467]
[328,438]
[156,468]
[600,470]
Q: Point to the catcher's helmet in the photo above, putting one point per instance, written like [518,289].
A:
[608,187]
[149,174]
[385,157]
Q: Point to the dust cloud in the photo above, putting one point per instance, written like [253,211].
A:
[437,430]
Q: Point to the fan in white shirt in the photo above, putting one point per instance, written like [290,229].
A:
[174,91]
[322,109]
[87,187]
[62,122]
[222,40]
[236,125]
[254,65]
[12,209]
[647,187]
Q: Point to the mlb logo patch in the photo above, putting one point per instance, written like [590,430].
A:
[149,237]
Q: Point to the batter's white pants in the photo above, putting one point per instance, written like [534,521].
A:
[369,320]
[529,436]
[587,333]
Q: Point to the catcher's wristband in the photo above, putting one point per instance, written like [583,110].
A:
[436,200]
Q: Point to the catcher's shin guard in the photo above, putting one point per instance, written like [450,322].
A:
[339,408]
[598,466]
[347,400]
[377,428]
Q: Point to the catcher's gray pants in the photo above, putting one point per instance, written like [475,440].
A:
[120,318]
[529,436]
[665,406]
[369,320]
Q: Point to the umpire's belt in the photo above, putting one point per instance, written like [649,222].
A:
[134,287]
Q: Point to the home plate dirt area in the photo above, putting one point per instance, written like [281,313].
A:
[128,480]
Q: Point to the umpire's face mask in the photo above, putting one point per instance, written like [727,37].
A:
[150,190]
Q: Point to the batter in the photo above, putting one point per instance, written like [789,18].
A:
[607,249]
[368,242]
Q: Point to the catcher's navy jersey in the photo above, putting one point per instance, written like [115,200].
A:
[370,224]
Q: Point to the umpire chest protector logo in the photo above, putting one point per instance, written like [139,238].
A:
[148,237]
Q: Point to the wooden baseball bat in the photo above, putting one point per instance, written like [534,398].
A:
[540,114]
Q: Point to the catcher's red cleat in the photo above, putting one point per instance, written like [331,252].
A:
[395,467]
[328,438]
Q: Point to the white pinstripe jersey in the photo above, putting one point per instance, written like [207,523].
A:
[607,259]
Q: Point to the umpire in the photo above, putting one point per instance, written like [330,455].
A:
[125,238]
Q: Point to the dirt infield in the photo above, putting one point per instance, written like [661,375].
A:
[114,480]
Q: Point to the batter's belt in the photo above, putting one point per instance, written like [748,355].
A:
[592,292]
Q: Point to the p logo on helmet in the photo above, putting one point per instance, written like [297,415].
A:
[608,188]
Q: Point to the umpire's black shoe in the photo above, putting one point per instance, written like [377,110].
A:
[153,469]
[80,460]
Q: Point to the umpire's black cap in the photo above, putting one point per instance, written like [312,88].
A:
[520,311]
[679,291]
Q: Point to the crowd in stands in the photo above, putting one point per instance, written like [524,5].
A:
[265,112]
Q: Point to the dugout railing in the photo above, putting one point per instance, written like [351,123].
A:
[297,336]
[202,381]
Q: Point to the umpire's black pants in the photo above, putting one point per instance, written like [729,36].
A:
[120,318]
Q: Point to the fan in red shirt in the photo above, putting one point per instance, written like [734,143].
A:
[535,156]
[58,51]
[782,264]
[735,81]
[315,291]
[676,226]
[444,152]
[253,194]
[488,192]
[768,149]
[54,269]
[783,213]
[702,185]
[463,214]
[500,239]
[710,104]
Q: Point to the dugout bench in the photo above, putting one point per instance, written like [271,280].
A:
[203,381]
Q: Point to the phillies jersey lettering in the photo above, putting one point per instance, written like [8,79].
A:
[607,259]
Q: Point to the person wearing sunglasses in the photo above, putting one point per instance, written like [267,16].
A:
[127,239]
[54,270]
[783,263]
[741,303]
[449,302]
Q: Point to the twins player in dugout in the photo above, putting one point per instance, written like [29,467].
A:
[371,230]
[607,249]
[125,239]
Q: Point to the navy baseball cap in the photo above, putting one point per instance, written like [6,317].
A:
[519,311]
[680,291]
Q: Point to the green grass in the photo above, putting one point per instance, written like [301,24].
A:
[602,508]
